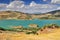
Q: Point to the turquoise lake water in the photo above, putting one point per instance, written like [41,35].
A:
[25,23]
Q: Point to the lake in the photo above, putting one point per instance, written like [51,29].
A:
[25,23]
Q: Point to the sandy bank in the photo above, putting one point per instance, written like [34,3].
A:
[54,35]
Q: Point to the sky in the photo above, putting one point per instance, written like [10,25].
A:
[30,6]
[27,1]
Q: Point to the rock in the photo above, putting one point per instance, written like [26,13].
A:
[17,27]
[33,25]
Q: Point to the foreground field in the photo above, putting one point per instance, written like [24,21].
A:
[53,35]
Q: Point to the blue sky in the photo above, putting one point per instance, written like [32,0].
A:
[30,6]
[27,1]
[37,1]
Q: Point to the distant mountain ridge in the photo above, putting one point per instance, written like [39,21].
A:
[20,15]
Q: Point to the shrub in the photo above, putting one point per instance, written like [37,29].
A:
[51,26]
[1,28]
[28,32]
[32,30]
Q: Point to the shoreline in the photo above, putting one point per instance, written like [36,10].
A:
[32,29]
[29,19]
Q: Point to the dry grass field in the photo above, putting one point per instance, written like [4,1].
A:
[54,35]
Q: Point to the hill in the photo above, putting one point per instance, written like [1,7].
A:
[20,15]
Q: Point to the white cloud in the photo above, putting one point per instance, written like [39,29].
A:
[32,8]
[42,8]
[33,3]
[58,8]
[16,4]
[3,7]
[55,1]
[44,0]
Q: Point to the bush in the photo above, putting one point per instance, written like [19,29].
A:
[32,30]
[1,28]
[51,26]
[28,32]
[11,29]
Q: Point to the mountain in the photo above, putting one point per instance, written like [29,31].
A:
[20,15]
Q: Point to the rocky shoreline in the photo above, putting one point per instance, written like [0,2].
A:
[48,32]
[32,29]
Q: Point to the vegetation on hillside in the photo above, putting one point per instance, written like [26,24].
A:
[20,15]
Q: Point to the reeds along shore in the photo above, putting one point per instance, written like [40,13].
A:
[32,30]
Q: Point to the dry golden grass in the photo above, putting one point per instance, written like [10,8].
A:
[54,35]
